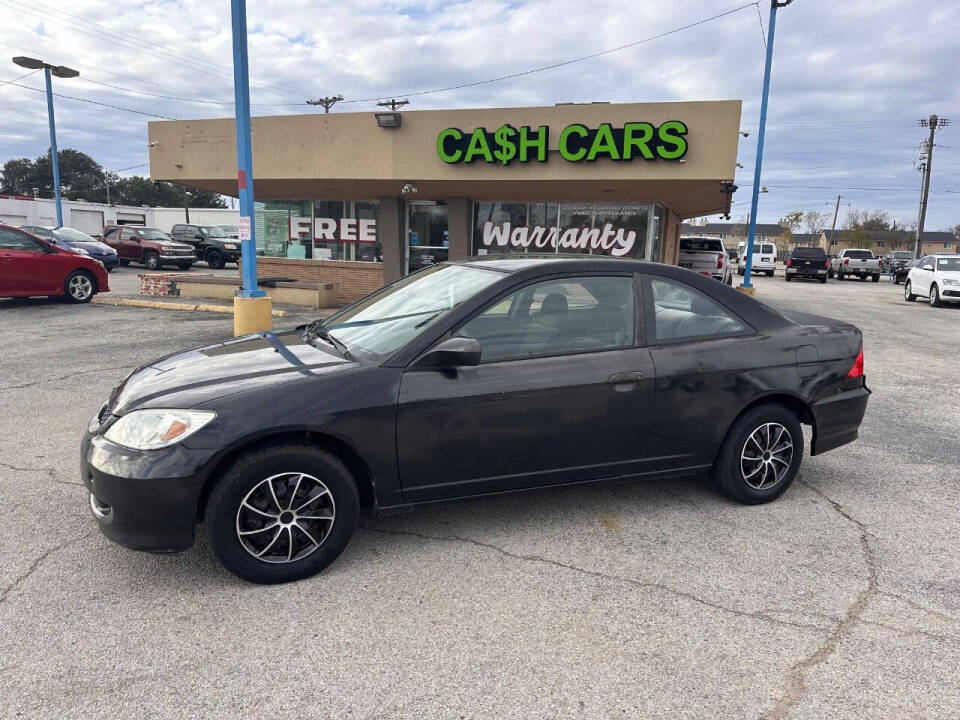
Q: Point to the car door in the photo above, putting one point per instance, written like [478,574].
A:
[26,264]
[563,393]
[920,276]
[702,352]
[128,246]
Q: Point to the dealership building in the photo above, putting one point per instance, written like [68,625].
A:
[361,199]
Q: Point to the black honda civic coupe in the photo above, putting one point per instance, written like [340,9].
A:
[468,378]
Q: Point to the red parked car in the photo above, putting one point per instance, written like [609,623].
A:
[30,266]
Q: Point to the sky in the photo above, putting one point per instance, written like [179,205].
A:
[851,78]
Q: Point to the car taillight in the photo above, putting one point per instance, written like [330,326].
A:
[857,370]
[846,261]
[719,262]
[826,263]
[789,262]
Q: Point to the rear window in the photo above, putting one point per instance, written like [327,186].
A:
[701,245]
[859,254]
[810,253]
[767,249]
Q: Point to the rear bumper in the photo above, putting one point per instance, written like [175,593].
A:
[807,272]
[837,419]
[131,505]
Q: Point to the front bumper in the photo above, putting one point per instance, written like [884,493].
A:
[837,419]
[178,258]
[109,261]
[143,500]
[950,292]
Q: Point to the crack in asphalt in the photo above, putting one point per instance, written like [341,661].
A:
[766,615]
[796,679]
[64,377]
[949,639]
[38,561]
[51,473]
[919,607]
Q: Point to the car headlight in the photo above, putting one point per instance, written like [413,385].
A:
[155,429]
[229,246]
[80,251]
[951,281]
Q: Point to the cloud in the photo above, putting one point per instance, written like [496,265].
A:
[850,79]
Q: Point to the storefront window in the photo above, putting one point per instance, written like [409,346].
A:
[615,229]
[657,228]
[318,229]
[428,234]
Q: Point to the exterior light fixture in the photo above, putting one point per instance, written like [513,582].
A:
[388,119]
[29,63]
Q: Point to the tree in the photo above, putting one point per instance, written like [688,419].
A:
[792,222]
[82,178]
[816,222]
[869,220]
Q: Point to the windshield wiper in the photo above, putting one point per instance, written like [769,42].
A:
[315,330]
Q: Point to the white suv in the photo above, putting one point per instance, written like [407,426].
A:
[764,258]
[937,277]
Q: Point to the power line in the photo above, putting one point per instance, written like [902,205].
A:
[763,34]
[25,75]
[554,66]
[92,102]
[867,189]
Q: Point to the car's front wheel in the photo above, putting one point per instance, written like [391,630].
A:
[215,260]
[908,292]
[282,513]
[760,456]
[934,297]
[151,260]
[79,287]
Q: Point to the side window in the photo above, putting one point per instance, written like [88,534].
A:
[127,234]
[10,240]
[110,233]
[176,231]
[556,317]
[680,312]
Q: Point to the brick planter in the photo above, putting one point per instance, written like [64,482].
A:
[164,284]
[353,279]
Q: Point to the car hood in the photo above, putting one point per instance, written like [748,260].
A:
[949,274]
[188,378]
[173,245]
[94,248]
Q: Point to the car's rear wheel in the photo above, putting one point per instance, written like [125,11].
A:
[823,280]
[79,287]
[760,456]
[124,262]
[282,513]
[876,278]
[151,260]
[934,297]
[908,292]
[840,275]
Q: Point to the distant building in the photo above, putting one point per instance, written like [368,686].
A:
[733,234]
[883,241]
[91,217]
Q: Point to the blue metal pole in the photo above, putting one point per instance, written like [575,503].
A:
[241,89]
[760,137]
[54,154]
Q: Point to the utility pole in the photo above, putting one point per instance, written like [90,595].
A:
[186,205]
[774,5]
[326,102]
[393,104]
[833,227]
[934,123]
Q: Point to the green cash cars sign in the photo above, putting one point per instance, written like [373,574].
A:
[577,143]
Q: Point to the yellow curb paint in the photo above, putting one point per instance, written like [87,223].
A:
[130,302]
[751,291]
[252,315]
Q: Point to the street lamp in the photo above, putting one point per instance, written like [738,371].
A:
[771,26]
[61,72]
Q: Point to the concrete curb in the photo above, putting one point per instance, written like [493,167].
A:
[157,305]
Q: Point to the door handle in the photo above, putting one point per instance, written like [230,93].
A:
[625,380]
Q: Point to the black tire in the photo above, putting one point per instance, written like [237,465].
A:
[151,260]
[124,262]
[830,274]
[110,269]
[185,266]
[215,260]
[787,278]
[907,295]
[730,279]
[896,280]
[777,476]
[278,465]
[740,272]
[934,297]
[876,278]
[769,273]
[80,286]
[823,280]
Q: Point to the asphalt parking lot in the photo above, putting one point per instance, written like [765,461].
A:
[655,599]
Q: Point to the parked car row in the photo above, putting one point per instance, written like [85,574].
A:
[706,256]
[855,262]
[935,277]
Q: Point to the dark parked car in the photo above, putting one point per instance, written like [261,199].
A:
[31,266]
[901,271]
[213,245]
[467,378]
[807,262]
[148,246]
[70,239]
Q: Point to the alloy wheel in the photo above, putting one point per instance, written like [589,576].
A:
[80,287]
[285,517]
[766,456]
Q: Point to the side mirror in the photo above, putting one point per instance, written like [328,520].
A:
[928,267]
[452,352]
[198,236]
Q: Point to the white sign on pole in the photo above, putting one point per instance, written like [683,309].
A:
[243,228]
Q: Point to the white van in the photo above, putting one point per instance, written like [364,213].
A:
[764,258]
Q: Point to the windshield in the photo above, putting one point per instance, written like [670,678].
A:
[903,255]
[389,319]
[701,244]
[213,231]
[951,264]
[152,234]
[71,235]
[809,253]
[228,228]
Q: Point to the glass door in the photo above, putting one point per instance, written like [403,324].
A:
[428,237]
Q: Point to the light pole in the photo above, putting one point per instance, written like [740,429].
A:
[252,310]
[61,72]
[774,5]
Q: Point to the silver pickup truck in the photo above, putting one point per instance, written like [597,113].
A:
[855,262]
